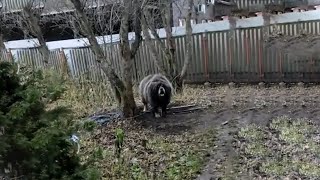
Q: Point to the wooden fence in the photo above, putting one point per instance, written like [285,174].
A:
[237,54]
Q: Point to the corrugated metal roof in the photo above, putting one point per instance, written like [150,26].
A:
[49,5]
[14,5]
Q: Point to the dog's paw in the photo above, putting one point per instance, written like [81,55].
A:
[157,115]
[145,109]
[160,112]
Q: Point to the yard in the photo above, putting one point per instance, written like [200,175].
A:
[232,132]
[244,132]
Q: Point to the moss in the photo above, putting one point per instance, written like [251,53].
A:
[164,156]
[289,147]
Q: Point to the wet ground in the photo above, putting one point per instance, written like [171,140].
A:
[227,121]
[227,110]
[235,109]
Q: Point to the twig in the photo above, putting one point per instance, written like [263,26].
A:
[224,123]
[180,107]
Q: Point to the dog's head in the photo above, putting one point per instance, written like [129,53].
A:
[161,90]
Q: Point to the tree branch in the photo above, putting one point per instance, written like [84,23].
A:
[154,32]
[137,30]
[152,46]
[32,21]
[96,48]
[189,40]
[124,29]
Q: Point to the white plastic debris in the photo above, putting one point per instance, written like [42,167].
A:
[76,139]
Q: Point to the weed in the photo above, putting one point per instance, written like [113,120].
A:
[287,147]
[119,142]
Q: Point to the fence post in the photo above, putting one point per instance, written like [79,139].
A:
[231,46]
[135,70]
[247,48]
[9,55]
[64,64]
[265,34]
[261,74]
[279,60]
[312,65]
[206,53]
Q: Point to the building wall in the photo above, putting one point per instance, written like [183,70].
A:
[247,8]
[203,11]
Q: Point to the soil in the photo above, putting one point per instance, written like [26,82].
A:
[232,109]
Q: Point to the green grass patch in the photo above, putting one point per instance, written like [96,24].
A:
[287,148]
[146,155]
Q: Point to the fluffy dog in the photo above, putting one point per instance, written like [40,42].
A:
[155,90]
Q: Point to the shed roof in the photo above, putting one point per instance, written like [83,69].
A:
[50,6]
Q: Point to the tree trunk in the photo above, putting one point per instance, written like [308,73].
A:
[122,89]
[128,105]
[127,56]
[189,46]
[45,52]
[171,49]
[2,46]
[34,28]
[2,29]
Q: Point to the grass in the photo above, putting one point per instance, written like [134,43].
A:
[90,97]
[87,97]
[147,155]
[288,148]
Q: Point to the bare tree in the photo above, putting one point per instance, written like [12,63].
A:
[32,18]
[29,20]
[122,88]
[149,23]
[2,27]
[189,46]
[2,46]
[128,54]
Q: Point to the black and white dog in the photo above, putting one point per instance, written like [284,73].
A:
[155,90]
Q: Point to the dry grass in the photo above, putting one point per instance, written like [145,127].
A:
[250,96]
[166,156]
[162,156]
[147,155]
[287,149]
[87,98]
[93,97]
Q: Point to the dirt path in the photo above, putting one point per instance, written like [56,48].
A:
[224,161]
[224,157]
[227,121]
[232,109]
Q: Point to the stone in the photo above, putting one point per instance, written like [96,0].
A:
[301,84]
[207,84]
[262,84]
[232,84]
[282,84]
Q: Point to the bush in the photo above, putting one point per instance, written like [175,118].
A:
[35,142]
